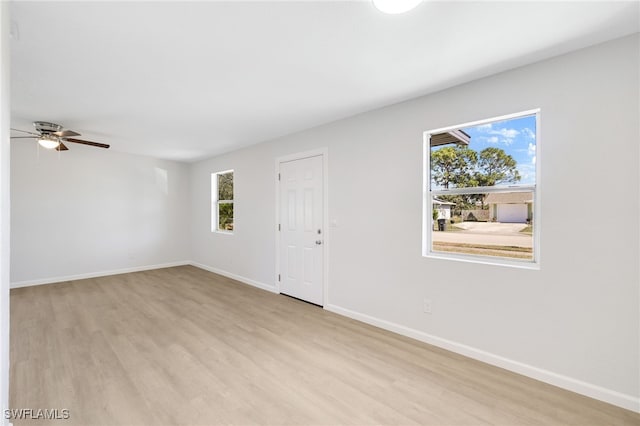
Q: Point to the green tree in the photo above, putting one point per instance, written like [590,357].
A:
[496,167]
[225,193]
[463,167]
[225,216]
[225,186]
[454,165]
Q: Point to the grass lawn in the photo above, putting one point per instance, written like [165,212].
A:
[527,230]
[485,250]
[451,228]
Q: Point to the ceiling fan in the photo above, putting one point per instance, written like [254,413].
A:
[52,136]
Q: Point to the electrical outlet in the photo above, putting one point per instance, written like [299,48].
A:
[427,306]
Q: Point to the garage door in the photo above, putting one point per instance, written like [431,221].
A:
[512,213]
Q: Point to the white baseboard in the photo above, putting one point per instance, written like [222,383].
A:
[242,279]
[593,391]
[54,280]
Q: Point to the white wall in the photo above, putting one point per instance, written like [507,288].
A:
[5,108]
[575,322]
[90,211]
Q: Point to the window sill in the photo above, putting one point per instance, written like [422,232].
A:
[520,264]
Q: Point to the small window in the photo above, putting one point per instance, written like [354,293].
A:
[222,196]
[481,191]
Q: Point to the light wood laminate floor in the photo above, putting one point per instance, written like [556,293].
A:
[185,346]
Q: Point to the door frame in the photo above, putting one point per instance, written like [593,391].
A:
[324,153]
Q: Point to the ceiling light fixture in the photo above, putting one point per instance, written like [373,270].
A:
[395,6]
[48,142]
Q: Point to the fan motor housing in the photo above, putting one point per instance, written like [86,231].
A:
[46,128]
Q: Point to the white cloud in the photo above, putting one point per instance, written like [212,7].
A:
[506,133]
[503,136]
[532,150]
[527,173]
[529,133]
[533,160]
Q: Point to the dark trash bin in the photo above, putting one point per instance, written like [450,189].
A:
[442,224]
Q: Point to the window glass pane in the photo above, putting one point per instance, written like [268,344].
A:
[497,153]
[497,224]
[225,186]
[225,216]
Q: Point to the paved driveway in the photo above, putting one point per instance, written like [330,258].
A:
[492,227]
[490,233]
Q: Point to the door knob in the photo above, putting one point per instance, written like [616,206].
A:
[318,242]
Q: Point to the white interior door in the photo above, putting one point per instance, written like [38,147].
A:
[301,233]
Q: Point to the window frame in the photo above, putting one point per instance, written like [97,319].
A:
[429,194]
[216,202]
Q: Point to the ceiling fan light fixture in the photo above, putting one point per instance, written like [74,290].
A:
[394,7]
[48,143]
[53,136]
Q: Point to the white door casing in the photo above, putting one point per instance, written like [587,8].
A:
[301,253]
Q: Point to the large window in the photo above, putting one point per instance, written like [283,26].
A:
[222,196]
[481,198]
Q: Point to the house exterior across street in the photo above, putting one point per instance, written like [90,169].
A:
[510,207]
[443,207]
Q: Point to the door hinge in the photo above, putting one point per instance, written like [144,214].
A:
[278,277]
[278,176]
[279,227]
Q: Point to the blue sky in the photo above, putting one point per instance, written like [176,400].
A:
[516,136]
